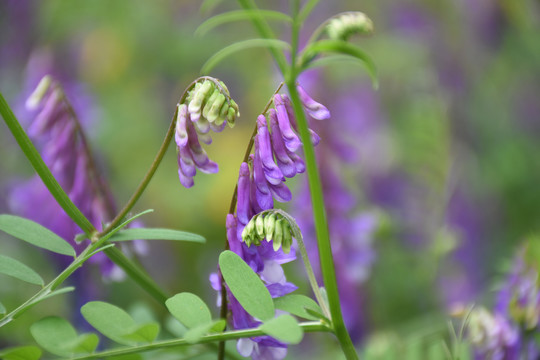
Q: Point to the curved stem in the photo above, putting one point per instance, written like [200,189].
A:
[312,326]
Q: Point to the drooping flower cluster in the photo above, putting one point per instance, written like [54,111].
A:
[260,182]
[57,131]
[507,333]
[208,106]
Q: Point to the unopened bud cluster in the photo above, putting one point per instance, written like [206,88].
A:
[269,226]
[343,26]
[208,106]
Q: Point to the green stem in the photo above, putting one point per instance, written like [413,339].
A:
[229,335]
[42,170]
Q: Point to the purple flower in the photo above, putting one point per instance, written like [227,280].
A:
[208,106]
[260,182]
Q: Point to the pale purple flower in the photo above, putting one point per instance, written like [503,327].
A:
[260,182]
[208,107]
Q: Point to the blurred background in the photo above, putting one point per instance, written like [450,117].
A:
[431,181]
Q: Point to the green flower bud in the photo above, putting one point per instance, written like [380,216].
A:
[287,237]
[342,27]
[248,233]
[231,116]
[199,96]
[210,101]
[269,224]
[216,108]
[278,234]
[259,225]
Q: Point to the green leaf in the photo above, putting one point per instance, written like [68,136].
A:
[17,269]
[53,334]
[156,234]
[84,343]
[126,357]
[21,353]
[317,315]
[193,335]
[297,305]
[342,47]
[246,286]
[35,234]
[284,328]
[123,224]
[242,45]
[189,309]
[109,320]
[145,333]
[2,309]
[238,15]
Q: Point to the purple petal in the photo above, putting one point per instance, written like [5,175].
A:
[48,116]
[284,162]
[202,125]
[185,162]
[185,180]
[181,135]
[278,290]
[289,136]
[243,205]
[258,172]
[316,110]
[281,192]
[209,168]
[234,243]
[315,138]
[271,171]
[197,152]
[217,128]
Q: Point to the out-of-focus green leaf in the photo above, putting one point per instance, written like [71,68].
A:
[297,304]
[156,234]
[246,286]
[21,353]
[35,234]
[57,336]
[238,15]
[342,47]
[144,333]
[109,320]
[189,309]
[284,328]
[242,45]
[18,270]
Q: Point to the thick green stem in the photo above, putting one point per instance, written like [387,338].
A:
[42,170]
[229,335]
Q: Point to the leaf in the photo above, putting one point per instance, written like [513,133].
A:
[17,269]
[342,47]
[123,224]
[61,291]
[145,333]
[246,286]
[84,343]
[237,15]
[53,333]
[156,234]
[109,320]
[317,315]
[189,309]
[126,357]
[21,353]
[193,335]
[242,45]
[284,328]
[297,305]
[35,234]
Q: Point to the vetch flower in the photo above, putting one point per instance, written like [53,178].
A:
[264,238]
[208,106]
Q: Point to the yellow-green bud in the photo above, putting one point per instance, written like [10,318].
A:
[259,226]
[38,94]
[278,234]
[287,237]
[199,96]
[210,101]
[216,108]
[269,225]
[342,27]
